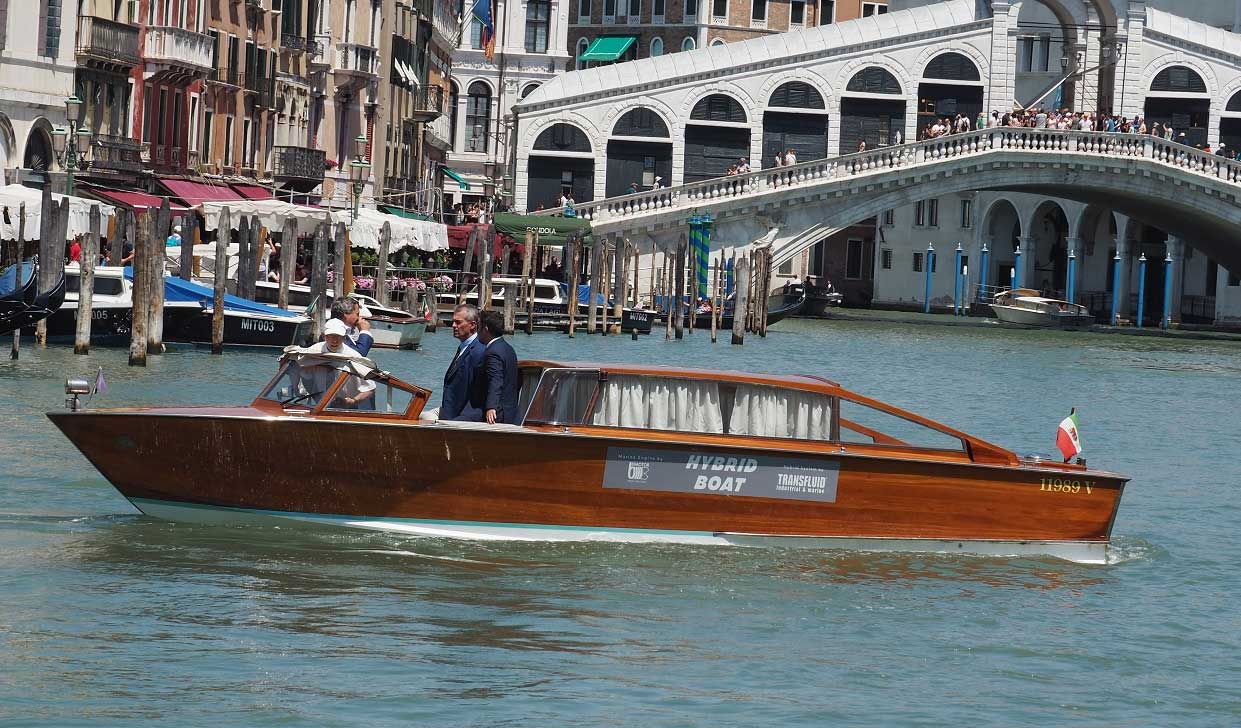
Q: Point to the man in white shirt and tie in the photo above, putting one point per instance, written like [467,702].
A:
[459,379]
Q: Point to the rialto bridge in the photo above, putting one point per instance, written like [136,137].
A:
[684,118]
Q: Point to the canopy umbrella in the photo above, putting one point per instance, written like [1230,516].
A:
[12,197]
[271,213]
[406,233]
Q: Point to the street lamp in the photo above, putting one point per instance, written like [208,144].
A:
[359,170]
[71,143]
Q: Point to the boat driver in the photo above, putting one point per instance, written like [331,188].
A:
[356,392]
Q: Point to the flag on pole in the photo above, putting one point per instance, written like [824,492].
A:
[484,12]
[1066,438]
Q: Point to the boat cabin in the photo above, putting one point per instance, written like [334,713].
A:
[788,411]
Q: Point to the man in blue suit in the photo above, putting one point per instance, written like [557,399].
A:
[459,379]
[495,380]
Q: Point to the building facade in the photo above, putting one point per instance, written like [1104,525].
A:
[530,50]
[37,67]
[239,99]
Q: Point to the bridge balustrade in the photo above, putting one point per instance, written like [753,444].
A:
[970,144]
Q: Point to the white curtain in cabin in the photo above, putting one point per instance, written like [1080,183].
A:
[656,403]
[778,412]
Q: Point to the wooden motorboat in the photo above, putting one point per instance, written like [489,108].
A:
[821,299]
[391,327]
[1028,308]
[614,452]
[779,307]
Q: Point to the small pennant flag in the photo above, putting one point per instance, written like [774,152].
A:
[101,385]
[1067,439]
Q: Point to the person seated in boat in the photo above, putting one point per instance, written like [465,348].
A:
[347,310]
[704,306]
[356,393]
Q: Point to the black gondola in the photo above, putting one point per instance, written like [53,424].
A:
[18,293]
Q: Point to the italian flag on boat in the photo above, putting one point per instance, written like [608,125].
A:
[1066,439]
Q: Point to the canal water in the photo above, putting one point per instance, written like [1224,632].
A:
[108,617]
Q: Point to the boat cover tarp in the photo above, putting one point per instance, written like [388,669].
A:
[9,281]
[551,230]
[583,295]
[177,289]
[311,356]
[12,197]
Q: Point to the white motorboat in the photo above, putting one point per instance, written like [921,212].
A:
[391,327]
[550,301]
[1028,308]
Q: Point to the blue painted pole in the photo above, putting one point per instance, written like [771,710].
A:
[1141,288]
[956,284]
[1167,292]
[1017,267]
[1069,285]
[1116,289]
[982,271]
[930,263]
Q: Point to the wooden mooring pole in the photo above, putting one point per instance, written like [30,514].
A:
[188,230]
[288,260]
[339,253]
[223,235]
[155,312]
[527,281]
[140,316]
[605,286]
[16,258]
[574,267]
[592,286]
[741,272]
[86,285]
[678,295]
[381,273]
[318,280]
[620,260]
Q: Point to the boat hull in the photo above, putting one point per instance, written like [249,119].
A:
[474,481]
[390,334]
[1016,316]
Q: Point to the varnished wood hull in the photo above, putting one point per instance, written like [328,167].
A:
[454,480]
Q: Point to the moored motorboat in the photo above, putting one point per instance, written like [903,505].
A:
[391,327]
[1026,307]
[614,452]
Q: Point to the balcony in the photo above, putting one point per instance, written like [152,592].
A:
[107,42]
[292,42]
[299,163]
[320,50]
[358,61]
[439,132]
[428,104]
[178,50]
[116,154]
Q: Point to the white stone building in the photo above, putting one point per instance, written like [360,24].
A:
[36,76]
[824,90]
[530,50]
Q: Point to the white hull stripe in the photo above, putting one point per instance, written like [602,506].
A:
[1090,552]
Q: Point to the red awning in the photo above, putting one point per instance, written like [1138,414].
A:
[254,192]
[196,193]
[459,238]
[136,201]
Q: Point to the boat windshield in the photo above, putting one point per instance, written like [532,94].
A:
[301,386]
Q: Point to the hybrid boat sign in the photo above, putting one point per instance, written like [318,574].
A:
[688,471]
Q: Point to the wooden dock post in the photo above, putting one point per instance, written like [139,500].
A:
[621,274]
[741,272]
[15,351]
[155,312]
[339,253]
[245,254]
[318,279]
[764,300]
[504,259]
[669,306]
[47,226]
[188,229]
[510,311]
[678,295]
[485,265]
[467,265]
[691,278]
[572,270]
[605,286]
[713,300]
[140,317]
[592,291]
[86,285]
[223,236]
[288,260]
[527,281]
[381,273]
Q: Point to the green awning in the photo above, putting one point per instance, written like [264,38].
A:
[551,230]
[608,48]
[457,178]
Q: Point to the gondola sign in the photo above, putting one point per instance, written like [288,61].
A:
[689,471]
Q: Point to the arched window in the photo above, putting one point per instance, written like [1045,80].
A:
[478,117]
[528,90]
[562,138]
[797,95]
[1179,79]
[952,67]
[657,47]
[582,45]
[1234,103]
[538,14]
[874,80]
[717,42]
[718,107]
[640,123]
[454,97]
[687,44]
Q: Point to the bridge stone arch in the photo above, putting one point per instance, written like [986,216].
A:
[1203,108]
[712,146]
[815,80]
[872,117]
[639,158]
[751,107]
[804,129]
[540,176]
[930,53]
[1226,116]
